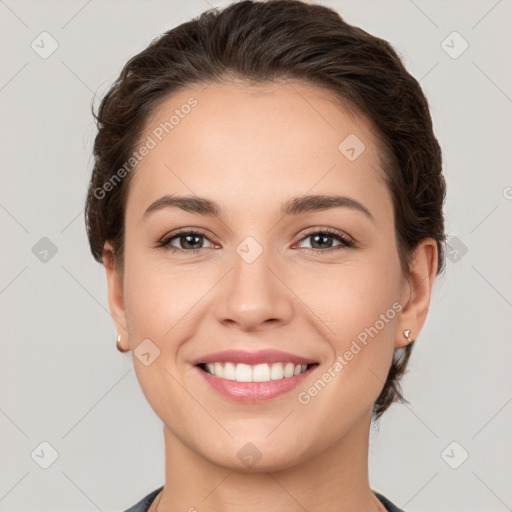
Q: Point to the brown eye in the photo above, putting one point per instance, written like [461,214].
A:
[321,240]
[187,241]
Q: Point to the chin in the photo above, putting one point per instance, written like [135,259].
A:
[244,456]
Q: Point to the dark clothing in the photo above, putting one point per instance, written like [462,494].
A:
[144,504]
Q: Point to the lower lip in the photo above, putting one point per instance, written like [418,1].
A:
[254,391]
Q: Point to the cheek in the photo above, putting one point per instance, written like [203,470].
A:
[361,346]
[360,305]
[160,298]
[148,296]
[351,296]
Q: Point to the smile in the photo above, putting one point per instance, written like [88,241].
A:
[264,372]
[254,383]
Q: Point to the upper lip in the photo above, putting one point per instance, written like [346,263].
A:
[252,358]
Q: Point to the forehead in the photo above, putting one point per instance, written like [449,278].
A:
[261,141]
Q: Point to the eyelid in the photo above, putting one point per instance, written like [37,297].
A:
[165,240]
[346,241]
[328,231]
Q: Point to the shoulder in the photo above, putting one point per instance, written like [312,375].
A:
[144,504]
[390,507]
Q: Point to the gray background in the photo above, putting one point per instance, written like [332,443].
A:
[63,382]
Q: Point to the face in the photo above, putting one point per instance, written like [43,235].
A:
[320,281]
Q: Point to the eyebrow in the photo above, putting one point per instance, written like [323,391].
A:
[294,206]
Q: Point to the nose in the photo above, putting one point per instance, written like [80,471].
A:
[254,296]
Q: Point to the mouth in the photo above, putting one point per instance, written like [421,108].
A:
[263,372]
[250,376]
[252,384]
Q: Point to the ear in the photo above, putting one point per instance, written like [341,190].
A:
[115,294]
[417,291]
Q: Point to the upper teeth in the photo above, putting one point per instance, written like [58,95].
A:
[255,373]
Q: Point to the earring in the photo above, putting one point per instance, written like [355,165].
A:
[119,347]
[407,333]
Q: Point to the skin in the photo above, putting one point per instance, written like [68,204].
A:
[251,148]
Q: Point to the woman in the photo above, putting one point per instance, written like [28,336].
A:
[267,201]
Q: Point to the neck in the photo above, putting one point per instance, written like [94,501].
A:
[333,480]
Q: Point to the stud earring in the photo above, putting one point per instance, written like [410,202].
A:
[119,347]
[407,333]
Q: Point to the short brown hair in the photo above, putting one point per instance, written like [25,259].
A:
[269,41]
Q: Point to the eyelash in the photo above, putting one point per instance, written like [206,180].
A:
[346,242]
